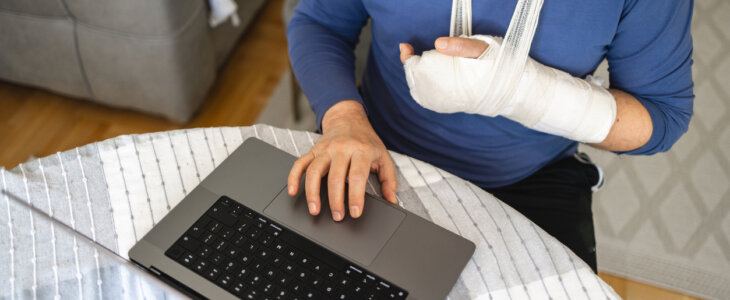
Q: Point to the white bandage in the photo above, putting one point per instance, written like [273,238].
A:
[541,98]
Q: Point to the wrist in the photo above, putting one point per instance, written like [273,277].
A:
[343,111]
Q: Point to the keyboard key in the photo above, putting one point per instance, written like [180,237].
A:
[245,259]
[208,238]
[220,245]
[289,267]
[223,215]
[270,273]
[188,259]
[329,290]
[281,293]
[260,223]
[242,226]
[276,261]
[357,290]
[214,226]
[238,288]
[242,273]
[205,251]
[312,295]
[198,228]
[278,246]
[252,294]
[263,253]
[253,233]
[354,273]
[301,274]
[249,246]
[316,267]
[268,288]
[291,253]
[304,261]
[284,279]
[230,266]
[296,287]
[216,259]
[189,243]
[250,214]
[175,252]
[201,267]
[232,252]
[226,201]
[254,280]
[237,210]
[227,234]
[213,273]
[266,239]
[224,281]
[238,240]
[316,282]
[344,283]
[368,281]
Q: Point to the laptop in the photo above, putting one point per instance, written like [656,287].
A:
[240,235]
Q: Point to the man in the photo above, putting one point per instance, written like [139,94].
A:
[648,47]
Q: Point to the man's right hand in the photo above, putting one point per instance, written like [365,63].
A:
[348,150]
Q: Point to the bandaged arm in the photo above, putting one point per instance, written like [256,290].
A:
[542,98]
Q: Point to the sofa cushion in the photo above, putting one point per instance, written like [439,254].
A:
[162,75]
[40,51]
[144,17]
[49,8]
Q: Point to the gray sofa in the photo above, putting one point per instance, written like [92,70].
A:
[155,56]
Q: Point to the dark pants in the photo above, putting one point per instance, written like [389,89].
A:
[558,199]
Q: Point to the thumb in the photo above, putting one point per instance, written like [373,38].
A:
[464,47]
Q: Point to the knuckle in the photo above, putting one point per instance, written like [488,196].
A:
[311,173]
[356,178]
[335,180]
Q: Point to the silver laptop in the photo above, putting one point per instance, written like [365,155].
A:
[240,235]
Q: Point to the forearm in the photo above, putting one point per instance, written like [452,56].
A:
[323,62]
[632,127]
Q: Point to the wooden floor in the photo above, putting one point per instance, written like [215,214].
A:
[39,123]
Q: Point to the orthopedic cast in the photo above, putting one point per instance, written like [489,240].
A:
[539,97]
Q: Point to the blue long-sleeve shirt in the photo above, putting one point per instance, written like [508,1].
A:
[647,44]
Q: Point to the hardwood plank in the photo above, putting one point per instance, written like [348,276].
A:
[630,290]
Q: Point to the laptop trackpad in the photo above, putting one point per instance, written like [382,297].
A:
[357,239]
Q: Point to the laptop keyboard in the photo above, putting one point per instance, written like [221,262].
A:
[255,258]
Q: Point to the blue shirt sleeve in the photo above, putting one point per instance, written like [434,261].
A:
[650,57]
[322,35]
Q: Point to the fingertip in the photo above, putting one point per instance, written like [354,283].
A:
[355,211]
[313,209]
[441,43]
[337,216]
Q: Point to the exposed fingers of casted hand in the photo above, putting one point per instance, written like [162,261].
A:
[406,52]
[464,47]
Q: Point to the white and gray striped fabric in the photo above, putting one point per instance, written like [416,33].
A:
[114,191]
